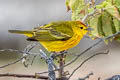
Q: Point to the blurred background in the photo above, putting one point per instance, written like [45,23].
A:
[27,14]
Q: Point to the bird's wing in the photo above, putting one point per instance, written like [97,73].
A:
[63,27]
[52,32]
[48,35]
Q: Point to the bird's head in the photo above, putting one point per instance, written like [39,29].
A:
[82,27]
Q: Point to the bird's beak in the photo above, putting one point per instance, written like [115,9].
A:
[89,29]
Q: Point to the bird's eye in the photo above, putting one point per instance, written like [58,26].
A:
[81,27]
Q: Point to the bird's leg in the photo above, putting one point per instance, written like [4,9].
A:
[54,55]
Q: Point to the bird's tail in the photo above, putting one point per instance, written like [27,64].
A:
[27,33]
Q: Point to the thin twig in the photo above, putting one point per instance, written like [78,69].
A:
[86,77]
[33,59]
[45,72]
[26,76]
[12,62]
[111,36]
[25,53]
[18,51]
[85,62]
[30,47]
[88,15]
[23,76]
[11,50]
[49,61]
[115,77]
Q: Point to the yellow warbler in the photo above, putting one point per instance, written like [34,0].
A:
[56,36]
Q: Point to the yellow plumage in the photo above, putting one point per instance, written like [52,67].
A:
[57,36]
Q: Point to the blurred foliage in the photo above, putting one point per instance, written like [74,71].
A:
[105,21]
[77,7]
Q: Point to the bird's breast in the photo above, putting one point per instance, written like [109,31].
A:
[58,46]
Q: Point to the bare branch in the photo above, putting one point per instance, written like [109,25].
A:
[18,52]
[33,59]
[30,47]
[29,76]
[50,64]
[85,62]
[111,36]
[11,50]
[23,76]
[88,15]
[25,53]
[86,77]
[115,77]
[12,62]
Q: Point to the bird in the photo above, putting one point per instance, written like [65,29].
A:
[56,36]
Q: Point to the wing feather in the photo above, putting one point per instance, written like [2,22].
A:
[53,32]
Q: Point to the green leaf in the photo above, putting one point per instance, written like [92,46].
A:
[93,24]
[103,25]
[117,24]
[78,8]
[106,41]
[108,21]
[107,24]
[67,4]
[113,11]
[100,26]
[117,4]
